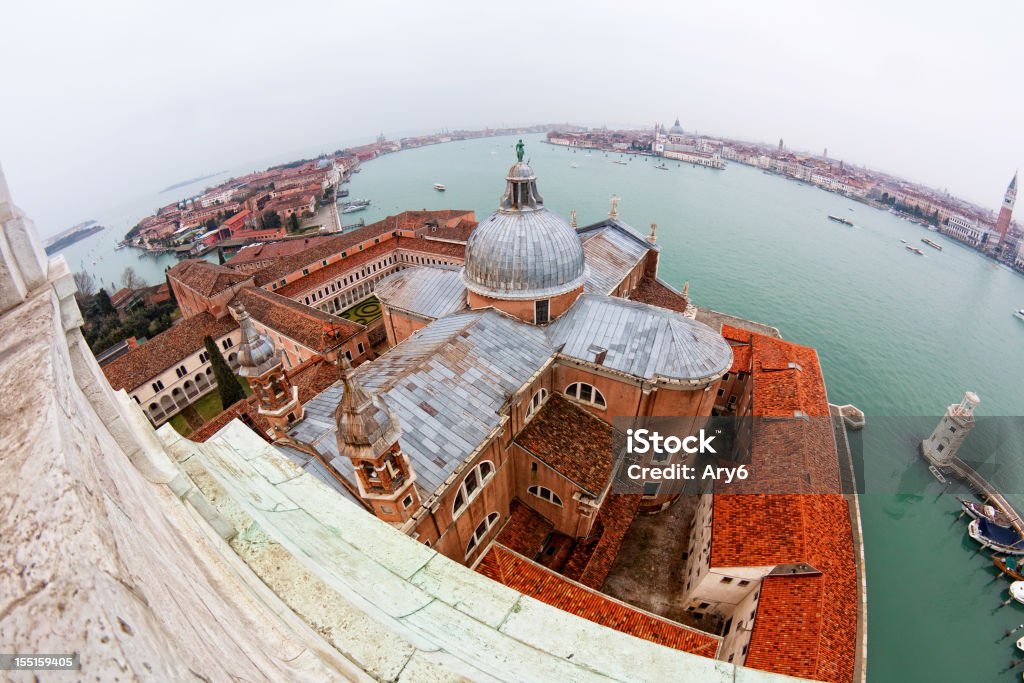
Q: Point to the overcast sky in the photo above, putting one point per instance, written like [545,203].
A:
[103,102]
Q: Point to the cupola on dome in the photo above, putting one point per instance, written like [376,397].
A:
[523,251]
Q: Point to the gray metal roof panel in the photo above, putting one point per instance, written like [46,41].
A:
[425,290]
[641,340]
[444,418]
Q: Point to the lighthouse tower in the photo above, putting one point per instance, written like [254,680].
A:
[1005,214]
[941,447]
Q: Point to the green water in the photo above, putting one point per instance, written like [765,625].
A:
[898,334]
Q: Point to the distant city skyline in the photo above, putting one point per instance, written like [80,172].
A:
[107,103]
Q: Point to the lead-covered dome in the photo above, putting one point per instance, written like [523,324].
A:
[523,251]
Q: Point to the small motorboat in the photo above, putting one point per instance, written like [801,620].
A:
[661,167]
[840,219]
[1017,591]
[915,250]
[439,187]
[1019,314]
[998,538]
[937,473]
[1010,566]
[903,241]
[975,510]
[620,163]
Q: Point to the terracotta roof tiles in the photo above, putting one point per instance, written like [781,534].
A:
[529,578]
[140,365]
[572,442]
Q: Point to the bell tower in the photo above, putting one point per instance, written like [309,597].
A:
[368,436]
[260,363]
[1005,214]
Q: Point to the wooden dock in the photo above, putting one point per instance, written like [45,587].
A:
[988,492]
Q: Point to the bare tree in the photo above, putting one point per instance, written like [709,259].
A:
[131,280]
[85,284]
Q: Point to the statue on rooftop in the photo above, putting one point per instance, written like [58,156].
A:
[520,149]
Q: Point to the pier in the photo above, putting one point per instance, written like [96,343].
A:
[940,451]
[987,491]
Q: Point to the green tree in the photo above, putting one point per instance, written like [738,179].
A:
[293,223]
[227,384]
[271,219]
[102,303]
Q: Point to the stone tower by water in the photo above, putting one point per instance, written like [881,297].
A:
[941,447]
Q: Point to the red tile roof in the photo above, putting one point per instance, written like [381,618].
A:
[335,270]
[409,220]
[309,326]
[525,531]
[806,625]
[529,578]
[273,250]
[166,349]
[572,442]
[205,278]
[651,290]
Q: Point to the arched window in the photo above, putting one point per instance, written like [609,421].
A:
[481,530]
[471,485]
[585,393]
[545,493]
[536,402]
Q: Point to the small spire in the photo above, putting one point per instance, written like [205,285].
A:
[651,238]
[614,212]
[354,396]
[572,218]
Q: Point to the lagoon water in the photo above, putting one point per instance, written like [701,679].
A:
[898,335]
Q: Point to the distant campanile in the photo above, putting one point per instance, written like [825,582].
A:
[1006,210]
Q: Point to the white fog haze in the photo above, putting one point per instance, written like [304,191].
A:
[108,101]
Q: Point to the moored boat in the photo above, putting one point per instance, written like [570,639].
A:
[1019,313]
[1017,591]
[996,537]
[915,250]
[1009,566]
[439,187]
[620,163]
[357,205]
[840,219]
[661,167]
[975,510]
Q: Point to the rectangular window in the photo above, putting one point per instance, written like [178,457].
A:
[348,354]
[305,271]
[586,392]
[651,488]
[540,312]
[361,347]
[726,579]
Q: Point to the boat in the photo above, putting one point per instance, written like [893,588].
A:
[840,219]
[620,163]
[915,250]
[574,165]
[439,187]
[931,244]
[937,474]
[932,228]
[1010,566]
[357,205]
[1017,591]
[1000,539]
[975,510]
[903,241]
[661,167]
[1019,314]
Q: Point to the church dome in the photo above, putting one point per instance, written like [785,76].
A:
[523,251]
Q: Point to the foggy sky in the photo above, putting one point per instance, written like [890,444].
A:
[104,102]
